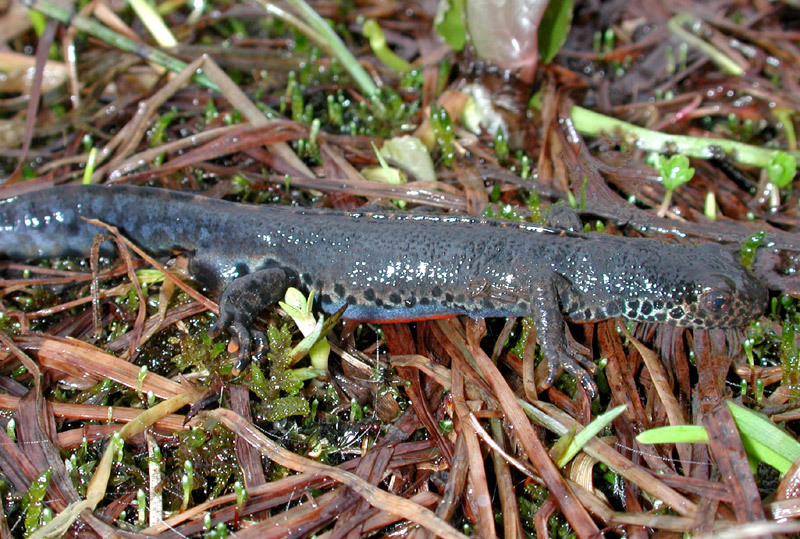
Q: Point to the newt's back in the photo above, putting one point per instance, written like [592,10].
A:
[393,266]
[389,266]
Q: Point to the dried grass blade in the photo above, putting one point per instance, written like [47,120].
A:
[89,412]
[663,388]
[478,491]
[98,485]
[552,418]
[81,359]
[573,511]
[395,505]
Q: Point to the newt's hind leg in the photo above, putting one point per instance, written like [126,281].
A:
[241,302]
[550,331]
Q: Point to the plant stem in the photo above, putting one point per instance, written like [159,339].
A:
[339,49]
[662,209]
[592,123]
[726,64]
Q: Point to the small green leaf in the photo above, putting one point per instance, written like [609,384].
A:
[389,175]
[781,169]
[377,42]
[356,411]
[674,171]
[678,434]
[412,154]
[762,440]
[292,379]
[553,28]
[588,432]
[449,23]
[149,276]
[299,309]
[384,173]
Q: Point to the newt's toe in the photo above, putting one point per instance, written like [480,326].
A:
[575,365]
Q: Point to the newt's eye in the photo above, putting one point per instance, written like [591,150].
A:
[717,300]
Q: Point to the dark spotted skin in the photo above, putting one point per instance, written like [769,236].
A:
[398,267]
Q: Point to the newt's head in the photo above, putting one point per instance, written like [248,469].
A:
[708,289]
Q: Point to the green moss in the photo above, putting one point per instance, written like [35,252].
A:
[748,250]
[33,502]
[790,357]
[445,136]
[282,380]
[214,469]
[529,503]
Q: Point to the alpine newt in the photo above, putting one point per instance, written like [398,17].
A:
[388,266]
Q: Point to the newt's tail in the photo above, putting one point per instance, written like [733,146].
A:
[52,222]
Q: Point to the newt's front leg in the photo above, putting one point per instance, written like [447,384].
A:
[551,333]
[241,302]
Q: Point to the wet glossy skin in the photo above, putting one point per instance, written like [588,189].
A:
[393,267]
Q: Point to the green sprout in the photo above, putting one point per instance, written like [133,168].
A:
[335,111]
[748,250]
[313,133]
[219,531]
[300,310]
[781,169]
[377,42]
[187,483]
[11,429]
[383,173]
[674,172]
[157,457]
[141,505]
[710,206]
[33,503]
[747,345]
[211,111]
[143,370]
[241,495]
[524,167]
[445,136]
[91,162]
[758,390]
[356,411]
[500,146]
[117,444]
[790,356]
